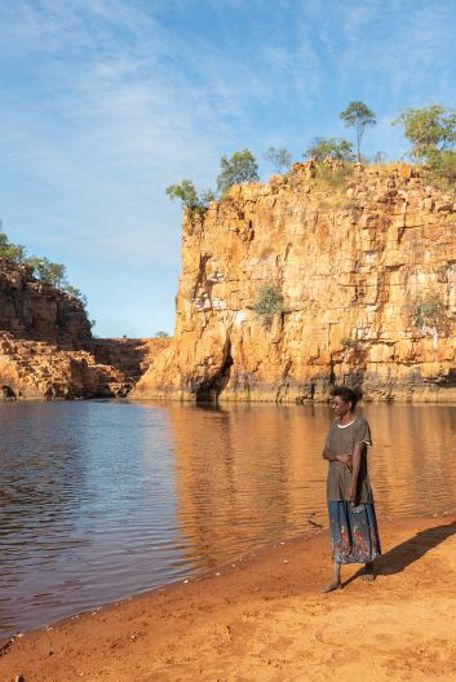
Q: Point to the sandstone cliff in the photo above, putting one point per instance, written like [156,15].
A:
[36,310]
[47,350]
[42,370]
[366,266]
[106,368]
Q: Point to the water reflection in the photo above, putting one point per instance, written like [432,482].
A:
[246,476]
[252,475]
[99,500]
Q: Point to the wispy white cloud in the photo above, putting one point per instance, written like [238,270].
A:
[106,102]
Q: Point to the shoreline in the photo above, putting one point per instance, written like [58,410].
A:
[226,401]
[263,616]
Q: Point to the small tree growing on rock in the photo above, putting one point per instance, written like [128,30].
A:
[268,302]
[279,159]
[190,200]
[49,272]
[348,343]
[186,193]
[428,314]
[240,167]
[357,115]
[432,132]
[430,129]
[330,147]
[15,252]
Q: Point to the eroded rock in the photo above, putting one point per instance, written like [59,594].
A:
[367,270]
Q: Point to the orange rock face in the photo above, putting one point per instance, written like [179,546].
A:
[365,264]
[42,370]
[47,350]
[36,310]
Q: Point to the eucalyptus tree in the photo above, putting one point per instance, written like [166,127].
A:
[357,115]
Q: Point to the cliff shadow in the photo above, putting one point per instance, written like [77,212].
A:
[126,355]
[209,391]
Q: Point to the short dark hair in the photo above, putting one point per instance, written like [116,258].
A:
[348,395]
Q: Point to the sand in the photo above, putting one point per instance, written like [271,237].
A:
[265,619]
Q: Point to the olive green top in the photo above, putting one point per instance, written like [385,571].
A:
[344,439]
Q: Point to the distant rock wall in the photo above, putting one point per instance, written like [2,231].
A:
[42,370]
[35,310]
[47,350]
[366,266]
[132,357]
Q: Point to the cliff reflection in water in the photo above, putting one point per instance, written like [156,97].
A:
[248,475]
[100,500]
[245,476]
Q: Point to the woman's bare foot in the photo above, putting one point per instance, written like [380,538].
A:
[334,584]
[368,574]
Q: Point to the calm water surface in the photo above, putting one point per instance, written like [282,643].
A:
[100,500]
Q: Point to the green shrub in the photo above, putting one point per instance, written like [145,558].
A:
[336,177]
[428,311]
[239,168]
[330,148]
[41,269]
[440,170]
[190,200]
[269,302]
[348,342]
[430,129]
[15,252]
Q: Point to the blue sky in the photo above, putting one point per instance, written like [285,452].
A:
[104,103]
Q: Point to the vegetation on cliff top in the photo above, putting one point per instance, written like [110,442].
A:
[357,115]
[432,133]
[330,148]
[279,159]
[240,167]
[431,130]
[40,269]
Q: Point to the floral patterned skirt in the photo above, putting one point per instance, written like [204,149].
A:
[354,532]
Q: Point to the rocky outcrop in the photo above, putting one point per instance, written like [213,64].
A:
[42,370]
[47,350]
[106,368]
[366,266]
[36,310]
[132,357]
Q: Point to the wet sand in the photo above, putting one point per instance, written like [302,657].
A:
[265,619]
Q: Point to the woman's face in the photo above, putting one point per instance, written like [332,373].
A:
[340,407]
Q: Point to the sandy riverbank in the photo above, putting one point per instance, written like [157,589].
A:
[265,619]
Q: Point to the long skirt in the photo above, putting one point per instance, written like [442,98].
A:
[354,533]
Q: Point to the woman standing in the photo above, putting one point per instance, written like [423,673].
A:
[353,526]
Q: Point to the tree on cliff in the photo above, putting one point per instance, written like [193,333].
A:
[330,147]
[15,252]
[279,159]
[186,192]
[47,271]
[357,115]
[240,167]
[432,132]
[189,197]
[40,268]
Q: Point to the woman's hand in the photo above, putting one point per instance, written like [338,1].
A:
[345,458]
[352,496]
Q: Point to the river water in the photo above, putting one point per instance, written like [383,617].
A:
[104,499]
